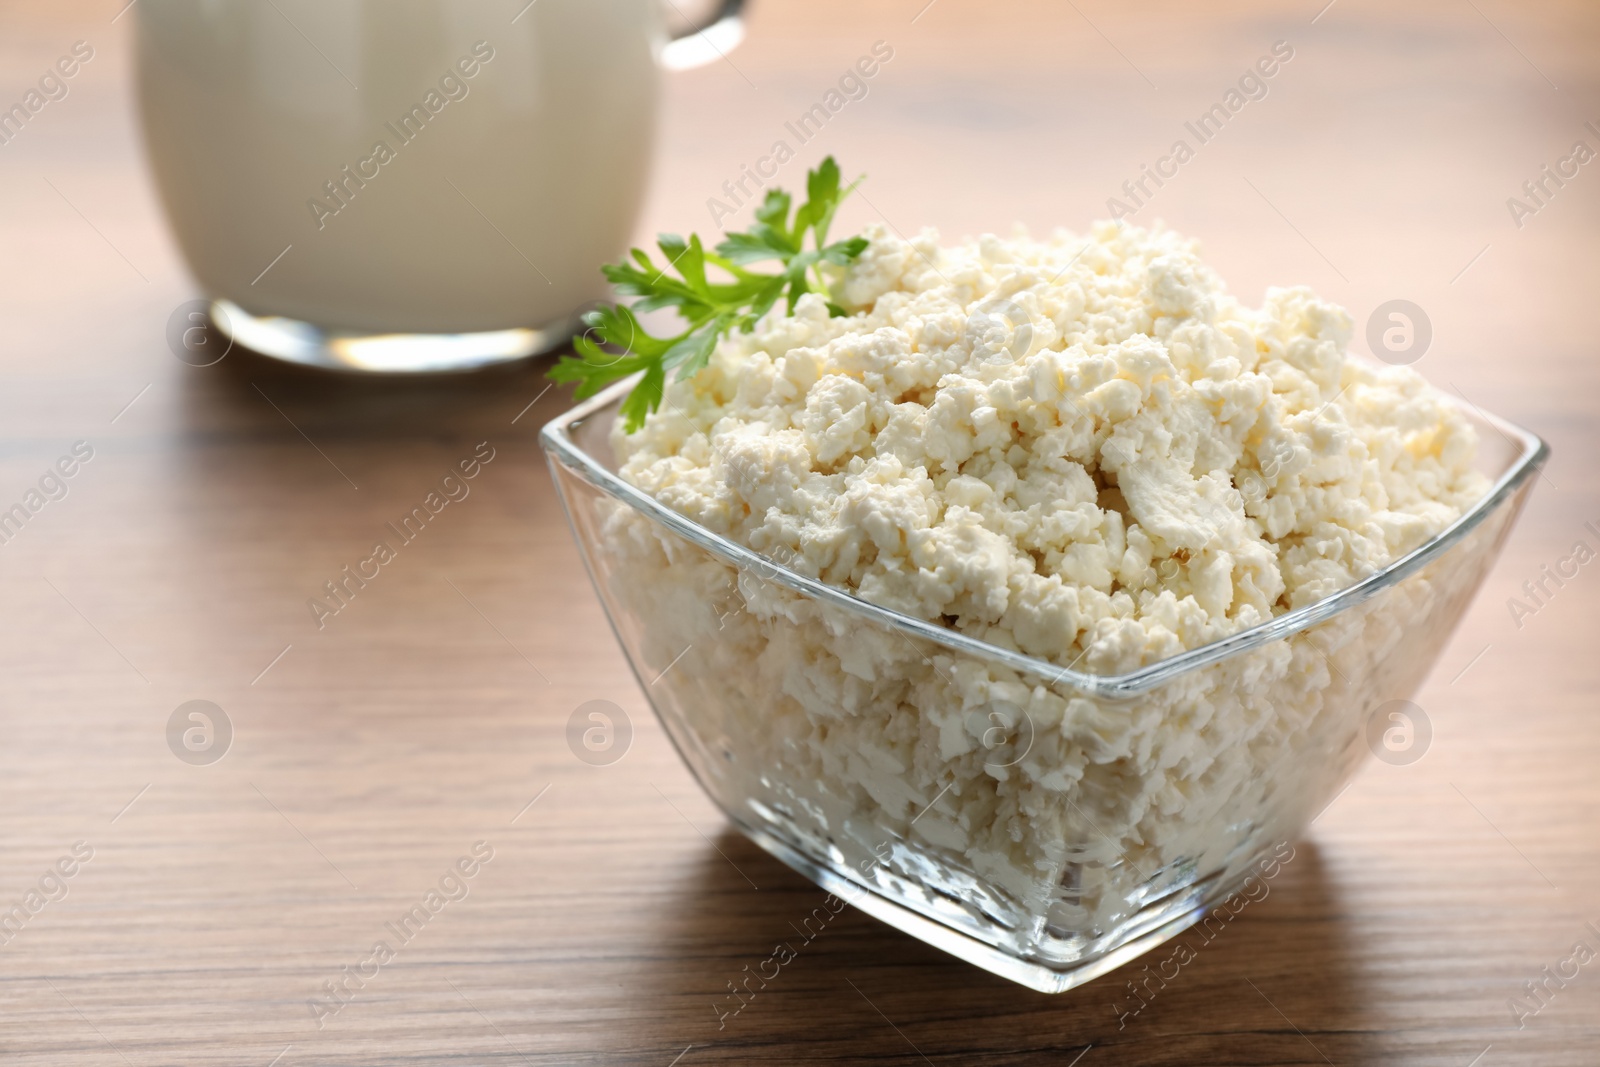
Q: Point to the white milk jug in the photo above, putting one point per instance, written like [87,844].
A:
[405,184]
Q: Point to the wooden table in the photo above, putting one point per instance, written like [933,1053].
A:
[369,756]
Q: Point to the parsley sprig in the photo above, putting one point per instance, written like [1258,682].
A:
[710,308]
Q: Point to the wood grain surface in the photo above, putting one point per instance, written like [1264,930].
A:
[369,756]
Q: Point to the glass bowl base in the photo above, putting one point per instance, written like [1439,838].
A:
[1036,975]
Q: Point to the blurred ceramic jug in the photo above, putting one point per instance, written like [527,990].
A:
[405,184]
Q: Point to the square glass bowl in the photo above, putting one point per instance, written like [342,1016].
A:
[1042,822]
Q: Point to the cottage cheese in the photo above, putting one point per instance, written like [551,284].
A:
[1083,449]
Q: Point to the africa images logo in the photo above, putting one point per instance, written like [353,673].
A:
[599,732]
[199,732]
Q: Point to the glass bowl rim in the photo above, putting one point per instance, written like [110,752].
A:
[557,441]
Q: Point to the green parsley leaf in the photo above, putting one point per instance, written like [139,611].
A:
[710,309]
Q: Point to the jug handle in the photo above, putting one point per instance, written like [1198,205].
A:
[708,41]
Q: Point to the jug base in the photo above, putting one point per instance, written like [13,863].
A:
[385,353]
